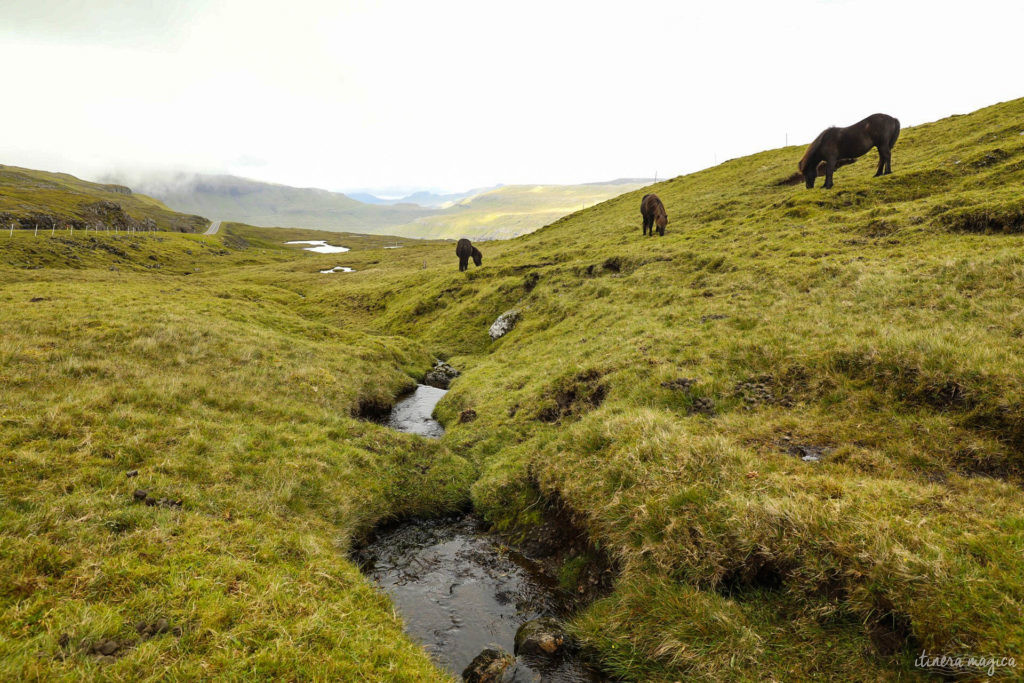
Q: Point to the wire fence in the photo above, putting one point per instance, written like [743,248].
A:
[68,227]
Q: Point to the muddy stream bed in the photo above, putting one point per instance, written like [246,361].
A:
[459,589]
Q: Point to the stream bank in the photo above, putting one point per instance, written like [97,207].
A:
[469,595]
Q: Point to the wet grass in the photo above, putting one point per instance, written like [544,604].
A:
[663,389]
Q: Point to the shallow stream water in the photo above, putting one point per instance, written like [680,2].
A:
[458,588]
[320,246]
[414,413]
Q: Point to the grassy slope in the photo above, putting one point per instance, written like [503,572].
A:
[26,193]
[869,320]
[219,394]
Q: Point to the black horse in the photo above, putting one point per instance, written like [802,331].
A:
[653,213]
[465,251]
[840,146]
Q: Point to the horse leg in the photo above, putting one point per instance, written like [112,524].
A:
[888,161]
[830,167]
[881,162]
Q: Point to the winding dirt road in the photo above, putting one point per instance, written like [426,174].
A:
[214,227]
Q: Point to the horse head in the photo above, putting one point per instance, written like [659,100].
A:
[478,258]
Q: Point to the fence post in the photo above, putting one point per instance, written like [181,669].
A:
[12,228]
[36,233]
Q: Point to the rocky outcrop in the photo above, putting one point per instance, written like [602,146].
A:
[441,375]
[117,189]
[504,324]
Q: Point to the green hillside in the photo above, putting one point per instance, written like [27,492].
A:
[31,199]
[793,425]
[512,210]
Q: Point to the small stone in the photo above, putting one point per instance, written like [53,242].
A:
[108,647]
[140,495]
[488,666]
[131,473]
[541,637]
[467,415]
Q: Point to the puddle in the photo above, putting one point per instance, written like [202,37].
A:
[320,246]
[413,413]
[339,269]
[459,591]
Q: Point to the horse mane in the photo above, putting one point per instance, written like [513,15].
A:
[812,149]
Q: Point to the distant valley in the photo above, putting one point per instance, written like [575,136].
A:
[486,213]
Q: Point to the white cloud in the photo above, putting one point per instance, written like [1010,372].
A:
[457,94]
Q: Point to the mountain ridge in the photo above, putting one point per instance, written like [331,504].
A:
[482,213]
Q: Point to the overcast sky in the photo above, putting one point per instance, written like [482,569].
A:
[452,95]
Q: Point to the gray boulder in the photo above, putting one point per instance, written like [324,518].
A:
[504,324]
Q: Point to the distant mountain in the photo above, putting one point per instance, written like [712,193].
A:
[488,213]
[225,197]
[423,198]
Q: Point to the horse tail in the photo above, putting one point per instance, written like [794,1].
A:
[895,134]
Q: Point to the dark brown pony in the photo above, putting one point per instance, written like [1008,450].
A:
[465,250]
[840,146]
[653,213]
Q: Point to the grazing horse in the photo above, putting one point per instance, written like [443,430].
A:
[653,213]
[840,146]
[465,250]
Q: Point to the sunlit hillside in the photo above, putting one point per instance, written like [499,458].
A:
[513,210]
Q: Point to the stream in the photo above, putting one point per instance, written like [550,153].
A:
[458,588]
